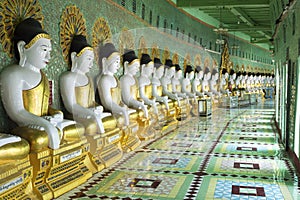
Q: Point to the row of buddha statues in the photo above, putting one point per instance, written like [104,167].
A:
[55,151]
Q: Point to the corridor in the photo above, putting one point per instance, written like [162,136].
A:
[233,154]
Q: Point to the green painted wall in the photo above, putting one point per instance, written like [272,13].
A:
[119,17]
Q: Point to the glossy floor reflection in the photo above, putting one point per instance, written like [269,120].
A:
[234,154]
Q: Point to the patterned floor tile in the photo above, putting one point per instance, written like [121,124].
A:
[163,162]
[143,185]
[218,188]
[250,167]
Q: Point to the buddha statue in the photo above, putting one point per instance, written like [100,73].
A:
[231,82]
[111,98]
[25,91]
[78,96]
[144,81]
[176,82]
[197,82]
[205,82]
[213,84]
[186,88]
[189,75]
[131,95]
[157,92]
[129,84]
[224,83]
[166,80]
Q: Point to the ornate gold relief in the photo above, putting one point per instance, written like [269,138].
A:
[166,54]
[206,62]
[126,40]
[187,61]
[175,59]
[197,60]
[142,46]
[101,32]
[11,14]
[155,52]
[72,23]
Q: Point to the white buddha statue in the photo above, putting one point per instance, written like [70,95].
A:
[189,75]
[25,91]
[144,80]
[205,82]
[176,82]
[108,84]
[157,92]
[224,82]
[197,82]
[166,81]
[231,82]
[213,84]
[129,84]
[77,88]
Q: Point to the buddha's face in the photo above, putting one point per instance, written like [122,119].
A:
[226,75]
[234,76]
[159,72]
[133,68]
[208,76]
[171,72]
[178,74]
[191,75]
[199,75]
[113,63]
[148,69]
[38,55]
[85,61]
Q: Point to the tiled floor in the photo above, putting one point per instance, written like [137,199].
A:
[233,154]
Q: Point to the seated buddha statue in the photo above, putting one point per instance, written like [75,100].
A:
[186,88]
[197,82]
[231,82]
[213,84]
[77,88]
[176,82]
[132,97]
[111,98]
[224,83]
[189,75]
[158,73]
[25,91]
[144,81]
[166,81]
[129,84]
[205,82]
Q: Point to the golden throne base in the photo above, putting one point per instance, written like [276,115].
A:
[16,180]
[57,171]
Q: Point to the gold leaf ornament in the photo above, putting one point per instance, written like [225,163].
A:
[142,47]
[126,40]
[72,23]
[12,12]
[101,33]
[197,60]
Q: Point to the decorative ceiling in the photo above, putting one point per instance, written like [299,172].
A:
[248,19]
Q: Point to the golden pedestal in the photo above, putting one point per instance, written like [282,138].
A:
[57,171]
[130,139]
[111,150]
[16,177]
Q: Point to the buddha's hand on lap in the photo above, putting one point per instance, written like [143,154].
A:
[98,110]
[37,127]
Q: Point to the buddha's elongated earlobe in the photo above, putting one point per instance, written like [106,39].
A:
[21,49]
[74,64]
